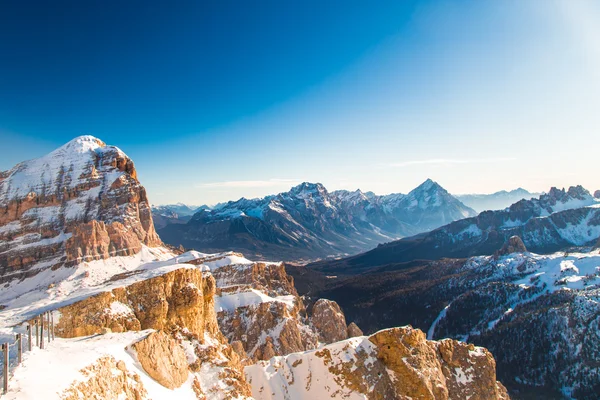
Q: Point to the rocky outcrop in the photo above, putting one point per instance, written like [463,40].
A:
[455,370]
[163,359]
[397,363]
[353,330]
[514,244]
[329,321]
[81,202]
[107,378]
[183,298]
[597,194]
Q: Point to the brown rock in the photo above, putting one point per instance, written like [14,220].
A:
[163,359]
[513,245]
[103,383]
[354,330]
[180,298]
[68,218]
[454,370]
[329,321]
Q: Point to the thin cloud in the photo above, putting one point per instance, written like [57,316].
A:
[249,184]
[445,161]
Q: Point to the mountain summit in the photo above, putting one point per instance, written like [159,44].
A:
[80,202]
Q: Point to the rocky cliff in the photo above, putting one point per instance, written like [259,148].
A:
[79,203]
[396,363]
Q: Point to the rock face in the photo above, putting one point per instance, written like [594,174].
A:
[514,244]
[597,194]
[329,321]
[81,202]
[259,309]
[163,359]
[354,330]
[178,299]
[181,303]
[107,378]
[397,363]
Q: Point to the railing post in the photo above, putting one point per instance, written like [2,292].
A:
[41,332]
[19,348]
[29,333]
[52,322]
[37,332]
[5,347]
[48,326]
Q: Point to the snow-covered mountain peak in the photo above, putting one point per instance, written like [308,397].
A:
[307,189]
[427,187]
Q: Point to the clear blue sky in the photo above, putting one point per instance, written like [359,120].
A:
[221,99]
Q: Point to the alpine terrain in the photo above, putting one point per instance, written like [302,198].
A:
[523,282]
[137,319]
[308,222]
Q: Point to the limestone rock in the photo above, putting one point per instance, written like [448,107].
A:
[163,359]
[397,363]
[180,298]
[354,330]
[81,202]
[514,244]
[107,378]
[329,321]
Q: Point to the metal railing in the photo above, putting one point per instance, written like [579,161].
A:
[42,325]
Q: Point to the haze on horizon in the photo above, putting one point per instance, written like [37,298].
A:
[218,101]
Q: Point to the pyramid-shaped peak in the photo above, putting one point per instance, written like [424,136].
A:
[428,185]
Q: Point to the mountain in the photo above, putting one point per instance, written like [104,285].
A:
[538,314]
[179,213]
[81,202]
[495,201]
[309,222]
[556,220]
[135,319]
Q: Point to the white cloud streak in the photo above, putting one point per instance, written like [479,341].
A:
[445,161]
[250,184]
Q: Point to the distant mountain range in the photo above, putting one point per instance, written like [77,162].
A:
[178,213]
[495,201]
[552,222]
[308,222]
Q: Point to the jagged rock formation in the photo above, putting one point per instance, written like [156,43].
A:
[259,309]
[81,202]
[597,194]
[354,330]
[180,303]
[107,378]
[557,220]
[183,298]
[163,359]
[309,222]
[390,364]
[514,244]
[329,321]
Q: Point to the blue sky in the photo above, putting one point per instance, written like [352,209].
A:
[218,100]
